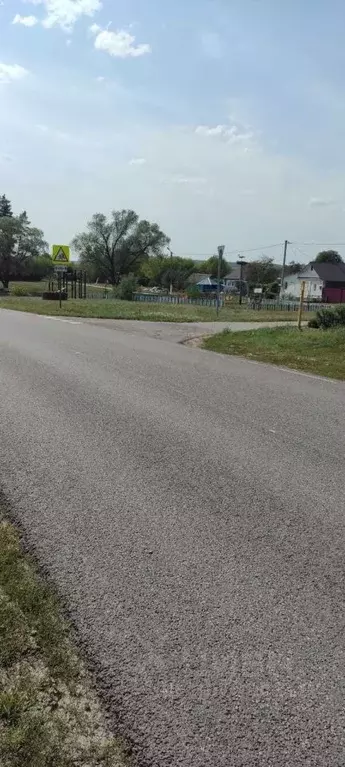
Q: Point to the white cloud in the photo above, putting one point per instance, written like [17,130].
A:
[120,44]
[65,13]
[11,72]
[319,202]
[189,180]
[230,133]
[26,21]
[137,161]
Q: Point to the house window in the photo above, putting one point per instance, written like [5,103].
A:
[314,286]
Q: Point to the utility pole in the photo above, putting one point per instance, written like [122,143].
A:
[241,263]
[221,249]
[286,243]
[171,256]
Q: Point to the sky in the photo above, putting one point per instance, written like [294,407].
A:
[222,120]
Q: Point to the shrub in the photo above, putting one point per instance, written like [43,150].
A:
[329,318]
[19,290]
[126,288]
[193,291]
[313,323]
[340,314]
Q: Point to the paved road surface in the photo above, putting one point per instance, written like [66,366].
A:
[179,331]
[191,508]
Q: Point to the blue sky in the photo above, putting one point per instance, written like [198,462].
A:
[223,120]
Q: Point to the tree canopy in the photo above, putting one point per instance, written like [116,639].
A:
[20,245]
[163,270]
[111,248]
[329,256]
[211,267]
[262,272]
[5,207]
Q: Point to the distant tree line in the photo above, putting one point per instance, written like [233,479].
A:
[122,246]
[23,250]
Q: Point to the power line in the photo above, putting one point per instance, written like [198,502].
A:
[232,252]
[294,244]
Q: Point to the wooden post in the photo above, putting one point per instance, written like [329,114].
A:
[301,300]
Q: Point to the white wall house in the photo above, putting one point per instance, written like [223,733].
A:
[313,284]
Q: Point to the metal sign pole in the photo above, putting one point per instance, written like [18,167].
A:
[221,249]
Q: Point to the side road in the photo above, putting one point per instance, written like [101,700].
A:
[175,332]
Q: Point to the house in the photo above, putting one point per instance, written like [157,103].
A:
[208,285]
[323,281]
[233,279]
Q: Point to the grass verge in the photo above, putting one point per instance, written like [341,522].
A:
[135,310]
[49,715]
[315,351]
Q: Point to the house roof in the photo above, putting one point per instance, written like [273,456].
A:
[207,281]
[235,273]
[195,277]
[329,272]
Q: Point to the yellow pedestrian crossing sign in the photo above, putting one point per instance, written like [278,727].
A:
[61,254]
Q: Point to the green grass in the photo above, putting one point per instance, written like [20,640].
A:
[316,351]
[49,715]
[135,310]
[36,289]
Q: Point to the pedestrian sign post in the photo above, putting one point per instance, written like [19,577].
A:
[61,255]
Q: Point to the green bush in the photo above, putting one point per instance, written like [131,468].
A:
[19,290]
[329,318]
[340,314]
[126,288]
[313,323]
[193,291]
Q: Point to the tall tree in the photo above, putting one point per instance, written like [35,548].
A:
[20,243]
[329,256]
[162,270]
[262,272]
[5,207]
[118,246]
[294,268]
[211,267]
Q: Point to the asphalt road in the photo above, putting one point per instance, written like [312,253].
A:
[191,509]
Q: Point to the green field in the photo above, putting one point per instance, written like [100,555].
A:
[35,289]
[134,310]
[321,352]
[49,714]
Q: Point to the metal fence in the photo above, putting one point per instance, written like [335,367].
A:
[289,306]
[158,299]
[285,306]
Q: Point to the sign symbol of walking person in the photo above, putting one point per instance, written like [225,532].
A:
[61,254]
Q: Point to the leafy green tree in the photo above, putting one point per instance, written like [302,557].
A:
[20,243]
[328,256]
[262,272]
[211,267]
[119,245]
[5,207]
[37,268]
[163,270]
[293,268]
